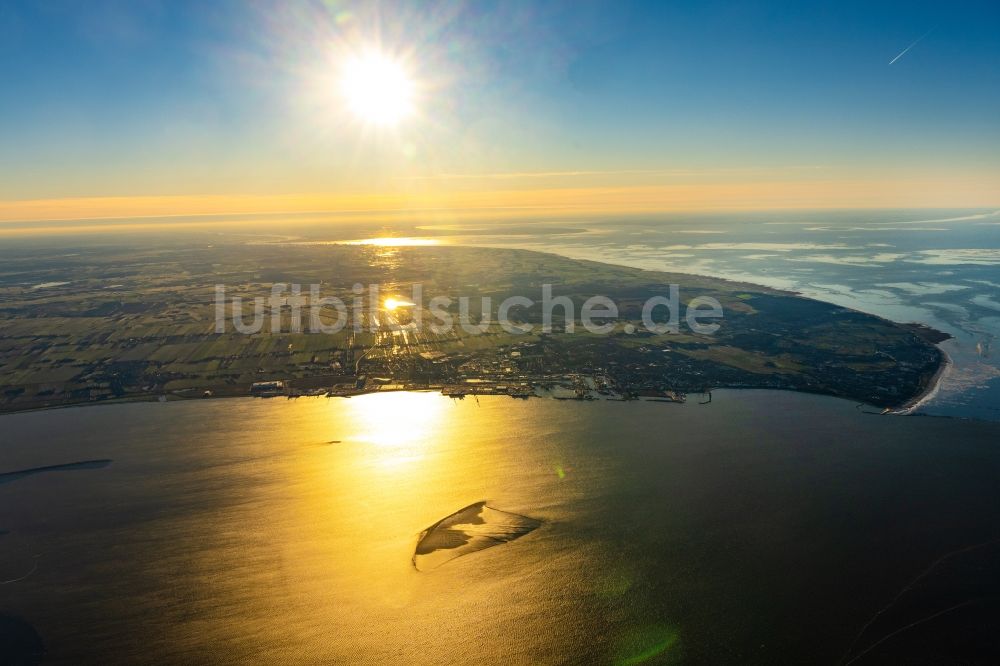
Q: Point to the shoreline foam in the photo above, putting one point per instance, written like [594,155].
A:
[932,389]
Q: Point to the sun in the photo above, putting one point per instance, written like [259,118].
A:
[377,88]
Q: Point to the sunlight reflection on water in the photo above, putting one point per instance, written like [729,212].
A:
[275,530]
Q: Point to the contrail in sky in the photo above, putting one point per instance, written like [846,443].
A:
[916,41]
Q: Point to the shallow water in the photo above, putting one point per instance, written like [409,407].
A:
[764,527]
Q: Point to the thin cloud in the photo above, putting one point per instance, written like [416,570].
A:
[513,175]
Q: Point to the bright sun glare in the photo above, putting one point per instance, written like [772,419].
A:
[396,303]
[377,89]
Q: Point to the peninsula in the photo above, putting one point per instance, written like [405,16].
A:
[128,323]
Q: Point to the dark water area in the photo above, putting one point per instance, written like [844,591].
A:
[763,528]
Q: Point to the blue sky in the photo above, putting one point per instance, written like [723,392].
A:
[179,98]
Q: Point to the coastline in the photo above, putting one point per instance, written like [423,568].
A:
[906,409]
[924,330]
[932,389]
[926,390]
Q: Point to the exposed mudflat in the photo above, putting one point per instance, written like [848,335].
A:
[469,530]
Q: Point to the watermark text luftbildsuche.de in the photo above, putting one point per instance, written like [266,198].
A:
[291,308]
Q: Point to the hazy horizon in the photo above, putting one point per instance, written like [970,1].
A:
[138,110]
